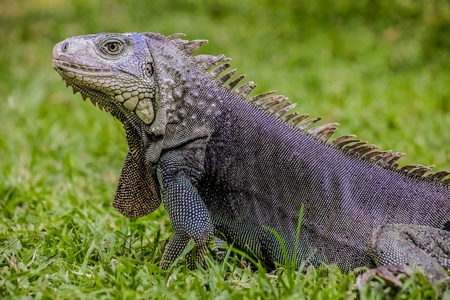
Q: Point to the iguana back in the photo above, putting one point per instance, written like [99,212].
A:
[259,172]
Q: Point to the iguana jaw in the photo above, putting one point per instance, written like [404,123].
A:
[117,82]
[69,73]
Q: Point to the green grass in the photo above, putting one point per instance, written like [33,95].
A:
[381,69]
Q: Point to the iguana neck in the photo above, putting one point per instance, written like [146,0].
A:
[193,116]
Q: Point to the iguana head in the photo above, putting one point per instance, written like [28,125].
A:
[140,78]
[133,76]
[113,70]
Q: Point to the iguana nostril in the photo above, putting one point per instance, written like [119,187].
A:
[65,47]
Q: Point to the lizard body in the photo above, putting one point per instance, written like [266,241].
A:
[234,166]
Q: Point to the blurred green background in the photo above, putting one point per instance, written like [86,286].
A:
[379,68]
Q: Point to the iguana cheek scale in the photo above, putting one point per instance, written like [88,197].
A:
[234,166]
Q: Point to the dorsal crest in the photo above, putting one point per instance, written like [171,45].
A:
[280,108]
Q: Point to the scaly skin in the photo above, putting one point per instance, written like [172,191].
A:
[233,167]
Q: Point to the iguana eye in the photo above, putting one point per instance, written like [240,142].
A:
[113,46]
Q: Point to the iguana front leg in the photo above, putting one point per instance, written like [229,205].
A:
[188,214]
[410,245]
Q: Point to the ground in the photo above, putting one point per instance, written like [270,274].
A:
[379,68]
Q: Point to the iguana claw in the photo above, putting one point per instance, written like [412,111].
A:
[389,273]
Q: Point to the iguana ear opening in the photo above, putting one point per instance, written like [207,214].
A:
[163,87]
[137,193]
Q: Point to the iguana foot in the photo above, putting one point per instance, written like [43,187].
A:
[389,273]
[412,245]
[219,249]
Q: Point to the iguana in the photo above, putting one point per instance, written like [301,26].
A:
[241,168]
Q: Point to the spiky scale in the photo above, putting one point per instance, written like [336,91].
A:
[420,171]
[368,148]
[408,168]
[317,130]
[204,57]
[354,145]
[290,116]
[338,140]
[274,110]
[235,82]
[309,123]
[176,36]
[267,102]
[295,121]
[362,150]
[374,155]
[219,69]
[285,109]
[270,102]
[245,89]
[381,155]
[193,45]
[261,96]
[437,176]
[179,42]
[323,132]
[207,61]
[227,76]
[75,89]
[346,142]
[326,134]
[389,160]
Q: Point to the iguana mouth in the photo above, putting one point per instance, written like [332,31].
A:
[65,67]
[104,100]
[99,99]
